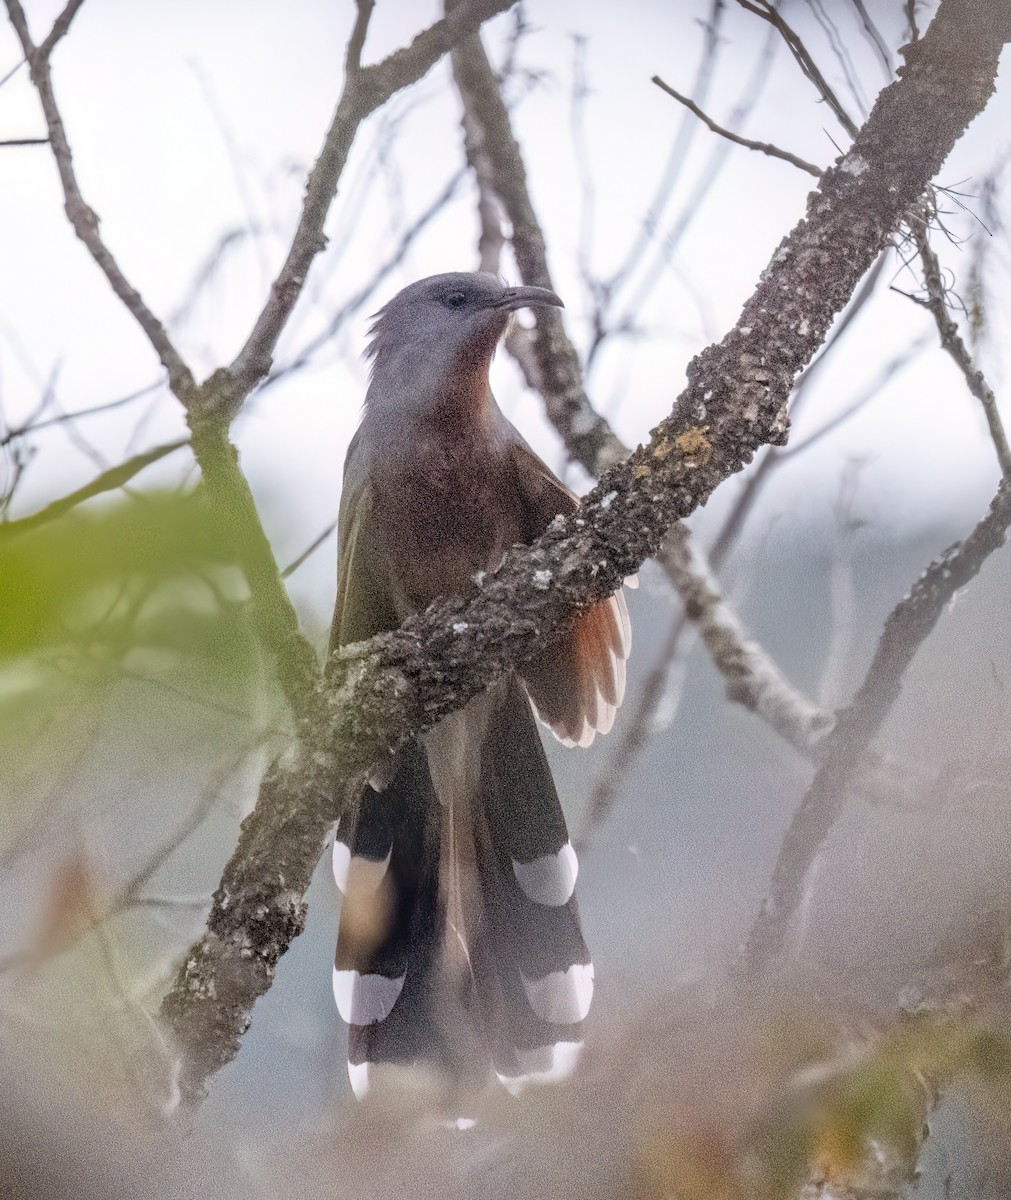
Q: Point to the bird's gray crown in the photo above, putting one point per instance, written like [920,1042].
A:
[449,310]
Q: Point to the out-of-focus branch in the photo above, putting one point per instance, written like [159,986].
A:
[752,678]
[212,405]
[33,425]
[81,216]
[365,90]
[908,626]
[762,147]
[550,361]
[274,619]
[768,12]
[381,692]
[116,477]
[951,341]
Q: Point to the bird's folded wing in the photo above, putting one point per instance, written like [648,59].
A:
[577,683]
[364,602]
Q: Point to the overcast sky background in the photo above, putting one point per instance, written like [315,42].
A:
[196,119]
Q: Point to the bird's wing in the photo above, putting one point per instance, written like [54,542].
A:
[364,602]
[579,681]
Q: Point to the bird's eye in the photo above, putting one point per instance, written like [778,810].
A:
[454,299]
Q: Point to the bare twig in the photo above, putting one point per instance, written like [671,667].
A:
[951,341]
[311,549]
[34,425]
[365,90]
[60,27]
[108,481]
[356,43]
[769,13]
[81,216]
[679,149]
[339,316]
[876,38]
[762,147]
[667,245]
[908,626]
[24,141]
[388,689]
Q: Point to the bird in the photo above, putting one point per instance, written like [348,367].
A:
[459,948]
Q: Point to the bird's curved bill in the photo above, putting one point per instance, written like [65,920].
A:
[522,297]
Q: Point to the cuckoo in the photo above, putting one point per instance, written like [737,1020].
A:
[460,944]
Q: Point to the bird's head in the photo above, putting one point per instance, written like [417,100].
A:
[446,327]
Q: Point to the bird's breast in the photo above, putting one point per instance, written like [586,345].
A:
[447,509]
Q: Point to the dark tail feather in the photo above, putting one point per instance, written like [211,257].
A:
[532,971]
[386,862]
[459,941]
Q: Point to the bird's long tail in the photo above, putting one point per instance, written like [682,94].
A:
[460,944]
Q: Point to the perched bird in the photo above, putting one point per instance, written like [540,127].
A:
[460,944]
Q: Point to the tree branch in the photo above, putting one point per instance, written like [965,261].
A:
[763,147]
[908,626]
[365,90]
[116,477]
[81,216]
[951,341]
[386,690]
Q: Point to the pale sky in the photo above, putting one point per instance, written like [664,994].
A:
[193,120]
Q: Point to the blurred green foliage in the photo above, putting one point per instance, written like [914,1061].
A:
[145,584]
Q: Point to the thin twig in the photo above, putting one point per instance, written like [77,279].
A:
[876,38]
[951,341]
[365,90]
[906,629]
[762,147]
[33,425]
[81,216]
[682,142]
[116,477]
[24,142]
[807,64]
[311,549]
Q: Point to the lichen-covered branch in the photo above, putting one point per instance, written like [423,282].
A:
[381,692]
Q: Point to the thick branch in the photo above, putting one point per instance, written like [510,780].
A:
[386,690]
